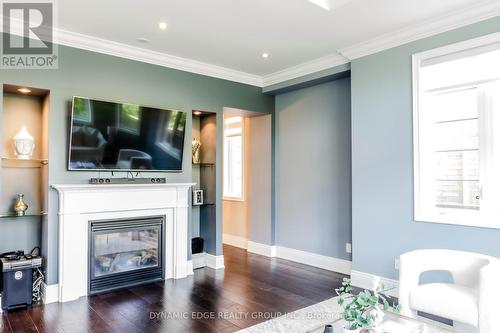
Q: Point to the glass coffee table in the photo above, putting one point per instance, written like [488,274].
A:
[396,323]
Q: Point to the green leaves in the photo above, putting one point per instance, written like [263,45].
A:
[359,309]
[385,303]
[346,287]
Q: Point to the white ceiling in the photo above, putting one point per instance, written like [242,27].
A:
[234,33]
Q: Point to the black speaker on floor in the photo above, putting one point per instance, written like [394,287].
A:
[197,245]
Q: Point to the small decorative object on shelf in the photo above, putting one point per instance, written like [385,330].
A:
[196,144]
[20,207]
[24,144]
[197,197]
[365,310]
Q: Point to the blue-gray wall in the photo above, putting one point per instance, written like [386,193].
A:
[382,162]
[313,166]
[101,76]
[259,179]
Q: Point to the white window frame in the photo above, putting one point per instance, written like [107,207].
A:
[161,140]
[89,119]
[122,128]
[229,197]
[467,218]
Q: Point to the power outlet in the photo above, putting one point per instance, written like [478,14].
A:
[396,264]
[348,247]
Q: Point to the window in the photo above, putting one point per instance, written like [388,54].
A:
[457,134]
[171,132]
[130,118]
[82,110]
[233,158]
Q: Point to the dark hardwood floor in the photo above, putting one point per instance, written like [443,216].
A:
[248,291]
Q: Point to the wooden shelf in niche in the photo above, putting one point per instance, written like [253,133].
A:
[13,162]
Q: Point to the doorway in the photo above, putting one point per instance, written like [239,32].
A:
[247,174]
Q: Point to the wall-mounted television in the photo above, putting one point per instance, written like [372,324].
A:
[110,136]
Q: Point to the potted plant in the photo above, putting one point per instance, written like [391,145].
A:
[364,310]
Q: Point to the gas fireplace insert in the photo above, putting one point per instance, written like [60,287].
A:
[125,252]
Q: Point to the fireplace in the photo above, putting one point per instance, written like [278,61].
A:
[125,252]
[83,204]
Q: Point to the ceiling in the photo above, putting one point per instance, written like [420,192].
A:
[233,34]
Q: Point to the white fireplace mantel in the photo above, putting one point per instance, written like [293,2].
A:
[81,203]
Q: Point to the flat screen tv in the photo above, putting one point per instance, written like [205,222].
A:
[129,137]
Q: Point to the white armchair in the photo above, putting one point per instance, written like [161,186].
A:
[473,297]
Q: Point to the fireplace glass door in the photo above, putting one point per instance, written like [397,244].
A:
[125,251]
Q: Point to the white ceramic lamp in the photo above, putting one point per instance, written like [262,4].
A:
[24,144]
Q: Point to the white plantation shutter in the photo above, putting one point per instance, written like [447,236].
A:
[455,149]
[457,130]
[233,158]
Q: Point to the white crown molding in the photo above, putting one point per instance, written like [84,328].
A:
[90,43]
[306,68]
[104,46]
[469,15]
[437,25]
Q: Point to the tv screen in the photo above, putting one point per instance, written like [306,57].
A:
[118,136]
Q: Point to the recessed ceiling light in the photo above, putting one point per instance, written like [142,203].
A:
[197,113]
[325,4]
[162,25]
[265,55]
[142,40]
[24,90]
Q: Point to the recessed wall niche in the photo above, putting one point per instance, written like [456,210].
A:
[28,107]
[204,175]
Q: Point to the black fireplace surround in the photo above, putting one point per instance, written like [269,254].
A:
[125,252]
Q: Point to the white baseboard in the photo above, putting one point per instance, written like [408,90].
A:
[371,282]
[215,262]
[199,260]
[189,267]
[50,293]
[235,241]
[262,249]
[312,259]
